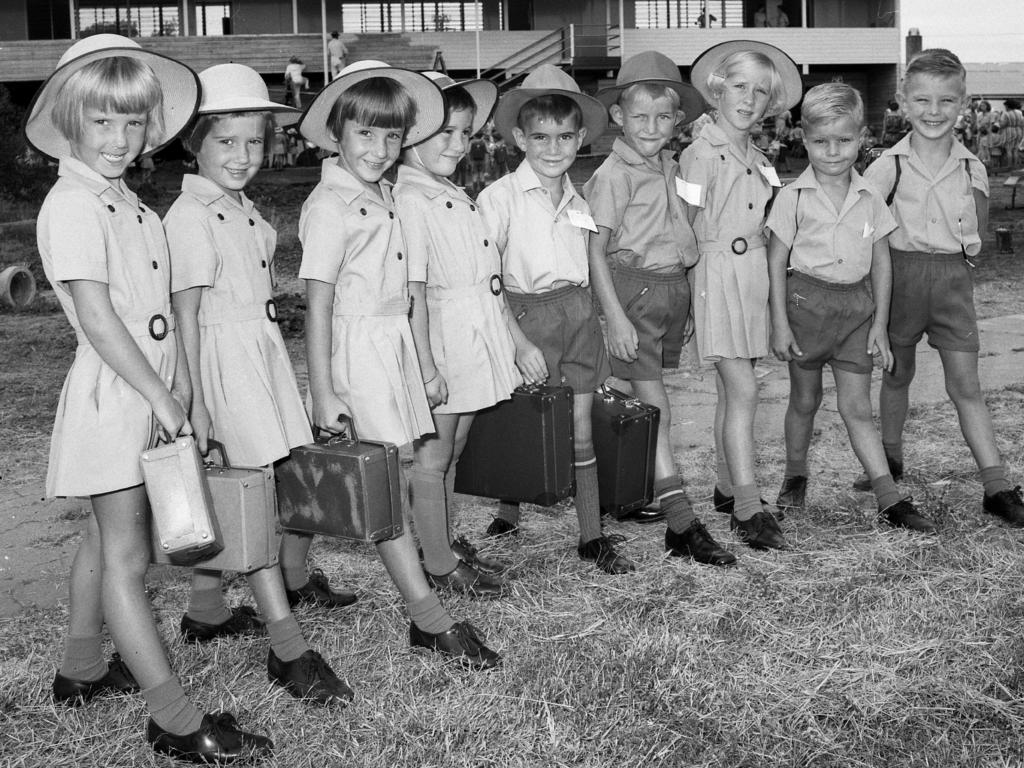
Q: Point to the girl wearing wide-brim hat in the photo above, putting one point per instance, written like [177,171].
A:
[728,184]
[362,357]
[105,254]
[243,388]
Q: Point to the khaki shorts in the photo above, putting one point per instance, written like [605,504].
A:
[830,322]
[933,293]
[564,325]
[658,306]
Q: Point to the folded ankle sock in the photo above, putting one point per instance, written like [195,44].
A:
[430,516]
[748,501]
[208,606]
[509,512]
[286,638]
[679,514]
[588,504]
[796,468]
[994,479]
[886,491]
[893,451]
[429,615]
[723,480]
[83,658]
[171,709]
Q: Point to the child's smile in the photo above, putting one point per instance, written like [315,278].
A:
[368,151]
[932,104]
[232,152]
[744,99]
[110,141]
[833,147]
[550,145]
[647,124]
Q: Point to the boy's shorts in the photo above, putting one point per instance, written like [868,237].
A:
[830,322]
[564,325]
[933,293]
[658,306]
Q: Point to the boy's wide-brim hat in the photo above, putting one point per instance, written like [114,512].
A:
[711,59]
[429,101]
[230,88]
[658,69]
[484,94]
[548,80]
[180,86]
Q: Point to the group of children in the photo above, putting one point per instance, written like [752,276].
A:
[425,306]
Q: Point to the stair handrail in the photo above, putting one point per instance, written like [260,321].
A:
[546,47]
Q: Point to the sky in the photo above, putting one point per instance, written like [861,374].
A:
[975,30]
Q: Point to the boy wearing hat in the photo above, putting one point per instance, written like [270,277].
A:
[540,226]
[639,261]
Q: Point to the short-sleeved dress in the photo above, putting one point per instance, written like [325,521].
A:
[353,240]
[90,229]
[249,387]
[731,279]
[451,250]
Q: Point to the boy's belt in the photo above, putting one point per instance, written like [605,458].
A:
[737,245]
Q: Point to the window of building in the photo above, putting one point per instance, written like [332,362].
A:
[128,18]
[672,14]
[213,18]
[412,17]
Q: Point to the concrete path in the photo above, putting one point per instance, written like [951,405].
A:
[39,536]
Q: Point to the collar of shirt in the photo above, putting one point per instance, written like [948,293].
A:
[630,156]
[716,137]
[99,185]
[344,184]
[858,187]
[429,185]
[528,180]
[957,154]
[206,192]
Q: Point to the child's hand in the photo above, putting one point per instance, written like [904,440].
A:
[878,347]
[437,390]
[202,426]
[171,418]
[327,413]
[622,339]
[784,344]
[531,364]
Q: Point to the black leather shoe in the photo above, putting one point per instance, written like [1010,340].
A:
[903,514]
[760,532]
[697,543]
[863,482]
[724,504]
[501,527]
[217,740]
[792,495]
[73,692]
[652,513]
[470,555]
[317,592]
[308,677]
[243,620]
[602,551]
[1007,505]
[461,642]
[469,581]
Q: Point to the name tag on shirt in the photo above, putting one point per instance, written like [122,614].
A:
[582,220]
[868,230]
[688,191]
[769,173]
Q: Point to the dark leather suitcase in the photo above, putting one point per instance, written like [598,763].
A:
[245,511]
[521,449]
[342,487]
[625,443]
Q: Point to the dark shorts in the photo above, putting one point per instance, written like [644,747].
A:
[658,306]
[563,324]
[830,322]
[933,293]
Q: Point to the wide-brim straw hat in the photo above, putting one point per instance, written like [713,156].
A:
[657,69]
[484,94]
[549,80]
[180,86]
[230,88]
[710,60]
[429,101]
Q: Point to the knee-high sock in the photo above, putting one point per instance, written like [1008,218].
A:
[430,516]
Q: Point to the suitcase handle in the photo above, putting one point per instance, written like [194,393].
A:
[611,394]
[216,445]
[349,428]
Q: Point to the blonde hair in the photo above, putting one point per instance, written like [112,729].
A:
[831,101]
[741,59]
[651,90]
[121,84]
[937,62]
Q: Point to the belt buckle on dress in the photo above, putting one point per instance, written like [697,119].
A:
[496,285]
[160,320]
[739,245]
[271,309]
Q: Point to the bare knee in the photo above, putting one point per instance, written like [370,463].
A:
[854,410]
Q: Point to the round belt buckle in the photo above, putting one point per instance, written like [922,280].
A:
[739,245]
[496,285]
[158,322]
[271,309]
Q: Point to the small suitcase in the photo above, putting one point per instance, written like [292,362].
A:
[625,442]
[521,449]
[184,528]
[342,487]
[246,513]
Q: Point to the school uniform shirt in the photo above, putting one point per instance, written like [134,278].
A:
[546,250]
[643,210]
[92,229]
[730,289]
[934,213]
[454,254]
[353,240]
[830,245]
[226,248]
